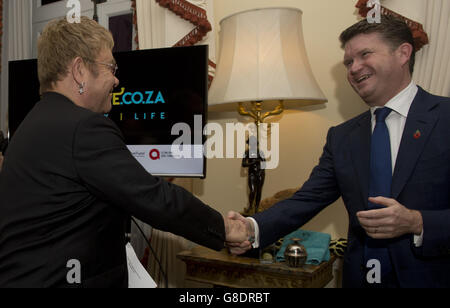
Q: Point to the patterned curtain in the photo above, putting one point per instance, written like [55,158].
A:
[433,64]
[192,13]
[136,39]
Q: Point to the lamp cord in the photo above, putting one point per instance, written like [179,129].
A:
[166,283]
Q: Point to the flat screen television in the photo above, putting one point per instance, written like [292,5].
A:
[161,101]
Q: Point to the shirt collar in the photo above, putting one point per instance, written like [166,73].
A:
[401,103]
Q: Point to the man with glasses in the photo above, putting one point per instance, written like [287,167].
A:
[69,182]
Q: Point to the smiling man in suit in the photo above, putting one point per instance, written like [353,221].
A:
[391,166]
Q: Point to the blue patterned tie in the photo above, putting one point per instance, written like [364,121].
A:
[380,184]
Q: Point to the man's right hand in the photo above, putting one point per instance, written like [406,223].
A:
[238,247]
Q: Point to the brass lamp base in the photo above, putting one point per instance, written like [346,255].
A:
[256,174]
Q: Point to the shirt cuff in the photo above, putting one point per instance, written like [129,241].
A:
[418,239]
[256,228]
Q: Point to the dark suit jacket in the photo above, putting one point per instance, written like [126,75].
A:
[421,181]
[67,186]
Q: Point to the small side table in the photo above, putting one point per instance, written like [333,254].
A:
[222,269]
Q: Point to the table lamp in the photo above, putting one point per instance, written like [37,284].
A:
[262,70]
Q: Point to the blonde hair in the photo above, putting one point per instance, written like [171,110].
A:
[61,42]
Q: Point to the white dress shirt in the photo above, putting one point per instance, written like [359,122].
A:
[395,121]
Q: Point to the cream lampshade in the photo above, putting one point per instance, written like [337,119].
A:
[263,58]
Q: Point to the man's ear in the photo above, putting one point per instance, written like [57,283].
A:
[78,70]
[404,52]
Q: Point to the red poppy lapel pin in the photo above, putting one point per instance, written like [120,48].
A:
[417,134]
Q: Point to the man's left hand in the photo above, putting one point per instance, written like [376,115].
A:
[392,221]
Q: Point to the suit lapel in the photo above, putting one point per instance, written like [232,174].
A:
[419,124]
[360,151]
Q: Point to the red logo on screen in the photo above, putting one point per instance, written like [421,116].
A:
[154,154]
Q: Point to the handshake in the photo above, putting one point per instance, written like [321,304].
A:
[240,233]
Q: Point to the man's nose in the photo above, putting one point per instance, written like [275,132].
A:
[354,67]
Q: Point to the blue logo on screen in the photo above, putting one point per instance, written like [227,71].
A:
[137,98]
